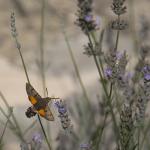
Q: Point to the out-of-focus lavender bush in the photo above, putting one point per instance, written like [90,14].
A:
[125,95]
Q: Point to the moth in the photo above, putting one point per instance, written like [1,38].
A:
[39,104]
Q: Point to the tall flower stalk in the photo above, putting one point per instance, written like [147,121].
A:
[88,26]
[14,34]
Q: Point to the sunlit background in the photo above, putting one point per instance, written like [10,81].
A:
[61,79]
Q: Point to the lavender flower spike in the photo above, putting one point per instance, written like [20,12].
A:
[108,72]
[88,18]
[60,106]
[63,115]
[146,72]
[37,138]
[147,77]
[85,18]
[36,142]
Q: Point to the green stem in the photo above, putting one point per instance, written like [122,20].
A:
[25,70]
[1,138]
[100,132]
[117,98]
[13,116]
[105,89]
[117,38]
[22,59]
[111,87]
[12,126]
[100,42]
[101,68]
[145,132]
[95,59]
[49,146]
[138,145]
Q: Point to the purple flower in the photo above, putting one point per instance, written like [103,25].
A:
[88,18]
[85,19]
[63,115]
[119,55]
[108,72]
[146,72]
[146,69]
[92,19]
[147,77]
[37,138]
[61,108]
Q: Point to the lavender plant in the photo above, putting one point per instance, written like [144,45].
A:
[63,115]
[133,108]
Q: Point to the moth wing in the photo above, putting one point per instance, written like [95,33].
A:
[33,95]
[46,113]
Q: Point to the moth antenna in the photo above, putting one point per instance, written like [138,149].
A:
[51,97]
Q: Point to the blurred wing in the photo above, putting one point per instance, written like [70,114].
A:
[46,113]
[33,95]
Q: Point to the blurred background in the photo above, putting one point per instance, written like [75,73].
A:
[61,80]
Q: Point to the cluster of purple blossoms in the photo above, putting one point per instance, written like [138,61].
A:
[63,115]
[146,72]
[119,55]
[116,66]
[37,138]
[36,142]
[143,96]
[86,21]
[108,72]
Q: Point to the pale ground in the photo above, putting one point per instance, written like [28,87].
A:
[60,77]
